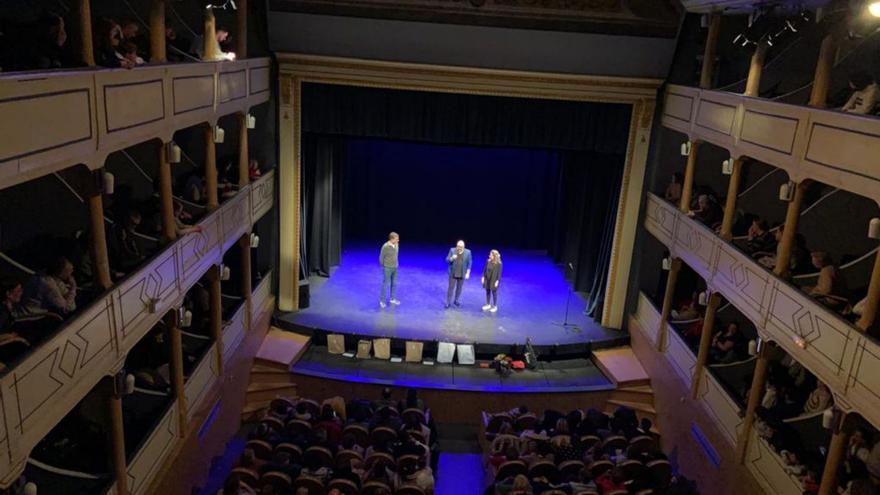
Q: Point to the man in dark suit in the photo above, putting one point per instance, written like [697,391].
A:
[459,260]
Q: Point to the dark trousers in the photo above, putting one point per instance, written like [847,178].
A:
[455,284]
[493,293]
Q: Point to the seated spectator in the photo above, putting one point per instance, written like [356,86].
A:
[385,401]
[222,37]
[194,189]
[673,189]
[249,460]
[55,290]
[330,424]
[131,33]
[301,412]
[611,480]
[11,343]
[420,476]
[707,211]
[864,96]
[234,486]
[49,50]
[180,218]
[412,401]
[254,169]
[760,239]
[125,254]
[506,455]
[177,46]
[130,52]
[108,38]
[728,345]
[819,399]
[689,309]
[829,289]
[280,462]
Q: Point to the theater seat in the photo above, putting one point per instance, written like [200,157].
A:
[346,487]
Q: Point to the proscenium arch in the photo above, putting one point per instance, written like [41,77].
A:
[295,69]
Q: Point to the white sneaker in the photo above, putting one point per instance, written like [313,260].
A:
[494,309]
[486,307]
[382,304]
[395,302]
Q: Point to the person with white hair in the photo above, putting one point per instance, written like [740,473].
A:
[459,262]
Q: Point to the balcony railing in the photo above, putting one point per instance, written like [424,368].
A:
[834,350]
[838,149]
[40,390]
[57,120]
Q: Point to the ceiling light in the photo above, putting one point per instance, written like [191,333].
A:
[874,9]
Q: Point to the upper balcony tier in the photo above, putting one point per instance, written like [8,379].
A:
[51,121]
[834,350]
[50,381]
[836,148]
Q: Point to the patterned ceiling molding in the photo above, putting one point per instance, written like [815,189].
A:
[655,18]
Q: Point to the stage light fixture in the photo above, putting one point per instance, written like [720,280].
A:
[786,191]
[874,228]
[414,351]
[874,9]
[172,152]
[466,354]
[382,348]
[336,343]
[727,166]
[686,148]
[219,134]
[251,121]
[445,352]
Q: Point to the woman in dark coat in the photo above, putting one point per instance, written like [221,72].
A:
[491,278]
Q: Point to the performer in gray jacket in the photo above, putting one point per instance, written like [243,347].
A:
[388,260]
[459,260]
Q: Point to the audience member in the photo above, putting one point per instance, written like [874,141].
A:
[49,49]
[673,189]
[829,289]
[55,290]
[728,345]
[864,93]
[707,211]
[125,254]
[234,486]
[108,38]
[222,37]
[760,239]
[385,401]
[412,401]
[820,399]
[130,52]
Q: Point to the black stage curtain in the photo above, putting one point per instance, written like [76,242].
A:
[588,197]
[323,160]
[443,118]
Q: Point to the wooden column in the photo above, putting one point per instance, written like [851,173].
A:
[756,68]
[755,394]
[243,155]
[242,21]
[711,48]
[687,186]
[215,312]
[84,47]
[872,300]
[166,199]
[705,342]
[836,453]
[730,200]
[210,50]
[211,169]
[671,280]
[117,434]
[246,290]
[822,76]
[98,245]
[177,380]
[789,231]
[157,32]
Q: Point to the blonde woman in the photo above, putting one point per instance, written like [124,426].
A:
[490,280]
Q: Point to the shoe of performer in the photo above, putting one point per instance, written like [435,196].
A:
[446,306]
[457,304]
[494,309]
[382,304]
[486,307]
[395,302]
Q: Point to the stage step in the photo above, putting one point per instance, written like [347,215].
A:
[269,390]
[642,394]
[254,411]
[280,349]
[621,366]
[267,374]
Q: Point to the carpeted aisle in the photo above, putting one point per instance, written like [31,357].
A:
[459,474]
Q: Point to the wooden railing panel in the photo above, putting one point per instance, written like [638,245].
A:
[232,86]
[262,195]
[863,391]
[679,106]
[720,406]
[193,94]
[132,106]
[146,295]
[660,217]
[772,132]
[259,79]
[262,294]
[201,380]
[143,468]
[696,244]
[768,469]
[648,317]
[46,121]
[233,333]
[716,117]
[681,357]
[744,283]
[198,251]
[236,217]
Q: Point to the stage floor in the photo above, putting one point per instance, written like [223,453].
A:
[531,297]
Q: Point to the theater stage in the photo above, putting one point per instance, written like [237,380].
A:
[532,296]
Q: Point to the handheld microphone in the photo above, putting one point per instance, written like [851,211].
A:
[570,266]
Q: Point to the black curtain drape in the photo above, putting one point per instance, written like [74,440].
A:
[323,160]
[473,120]
[589,193]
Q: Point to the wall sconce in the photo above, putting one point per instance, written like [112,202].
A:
[129,384]
[874,228]
[686,148]
[123,384]
[786,191]
[219,134]
[172,152]
[251,121]
[727,166]
[828,418]
[255,241]
[184,317]
[108,183]
[753,347]
[225,272]
[703,298]
[666,264]
[30,488]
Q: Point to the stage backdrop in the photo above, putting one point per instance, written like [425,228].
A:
[510,172]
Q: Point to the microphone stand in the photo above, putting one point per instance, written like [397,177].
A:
[565,324]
